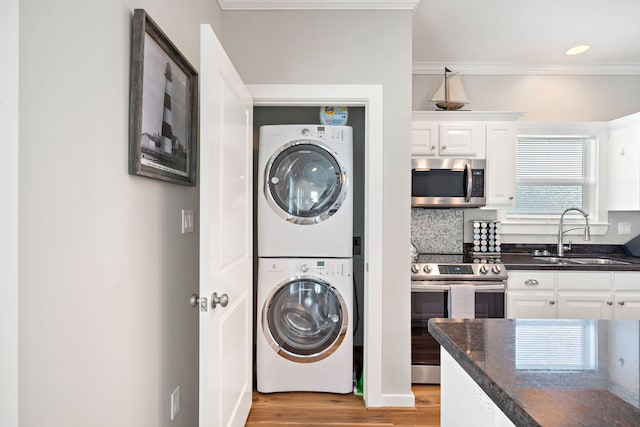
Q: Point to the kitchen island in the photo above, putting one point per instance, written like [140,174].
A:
[499,372]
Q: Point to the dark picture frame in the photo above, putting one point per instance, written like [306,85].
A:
[163,106]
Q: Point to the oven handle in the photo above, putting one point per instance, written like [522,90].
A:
[428,287]
[489,288]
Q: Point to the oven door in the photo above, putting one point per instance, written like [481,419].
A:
[489,302]
[428,301]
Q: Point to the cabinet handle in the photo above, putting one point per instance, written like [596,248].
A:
[552,302]
[531,282]
[609,303]
[510,197]
[433,147]
[621,302]
[444,147]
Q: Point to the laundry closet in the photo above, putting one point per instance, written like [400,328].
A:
[338,266]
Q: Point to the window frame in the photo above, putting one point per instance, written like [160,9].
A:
[544,225]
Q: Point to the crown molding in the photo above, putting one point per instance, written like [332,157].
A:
[480,68]
[466,115]
[318,5]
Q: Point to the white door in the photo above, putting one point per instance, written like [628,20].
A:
[226,236]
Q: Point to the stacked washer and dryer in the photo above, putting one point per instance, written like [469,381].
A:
[305,270]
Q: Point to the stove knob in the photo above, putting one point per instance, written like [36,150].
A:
[414,268]
[483,269]
[427,268]
[496,269]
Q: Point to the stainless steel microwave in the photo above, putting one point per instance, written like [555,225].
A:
[447,183]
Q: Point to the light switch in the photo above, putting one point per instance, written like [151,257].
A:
[624,228]
[187,221]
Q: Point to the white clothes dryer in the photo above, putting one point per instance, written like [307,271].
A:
[305,194]
[304,325]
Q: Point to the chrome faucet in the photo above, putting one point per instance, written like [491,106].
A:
[587,232]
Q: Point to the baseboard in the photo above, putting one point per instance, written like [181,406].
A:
[398,400]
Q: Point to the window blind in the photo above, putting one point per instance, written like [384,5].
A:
[552,173]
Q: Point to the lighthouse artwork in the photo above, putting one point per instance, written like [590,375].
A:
[164,113]
[163,107]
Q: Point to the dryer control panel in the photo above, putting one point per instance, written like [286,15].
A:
[320,268]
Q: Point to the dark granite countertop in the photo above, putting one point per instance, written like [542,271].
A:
[521,257]
[575,373]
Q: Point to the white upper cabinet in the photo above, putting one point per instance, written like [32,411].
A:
[461,140]
[624,164]
[501,165]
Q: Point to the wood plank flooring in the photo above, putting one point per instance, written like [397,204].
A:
[326,409]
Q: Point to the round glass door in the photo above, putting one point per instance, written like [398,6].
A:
[304,183]
[305,319]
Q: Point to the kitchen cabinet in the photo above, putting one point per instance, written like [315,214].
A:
[531,295]
[565,294]
[584,295]
[438,138]
[624,163]
[501,165]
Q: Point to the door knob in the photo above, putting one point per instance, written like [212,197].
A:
[193,301]
[223,300]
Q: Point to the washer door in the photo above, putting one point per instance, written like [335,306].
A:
[304,183]
[304,319]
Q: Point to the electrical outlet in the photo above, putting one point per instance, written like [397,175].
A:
[624,228]
[187,221]
[175,402]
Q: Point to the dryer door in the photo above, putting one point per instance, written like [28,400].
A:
[305,319]
[305,183]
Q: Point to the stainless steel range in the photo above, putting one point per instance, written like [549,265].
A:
[444,290]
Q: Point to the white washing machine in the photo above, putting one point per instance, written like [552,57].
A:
[305,194]
[304,325]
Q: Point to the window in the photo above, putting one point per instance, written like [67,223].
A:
[554,173]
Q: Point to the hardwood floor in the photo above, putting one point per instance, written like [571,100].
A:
[324,409]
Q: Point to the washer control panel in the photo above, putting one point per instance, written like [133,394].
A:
[333,133]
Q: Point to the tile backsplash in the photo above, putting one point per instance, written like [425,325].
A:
[438,231]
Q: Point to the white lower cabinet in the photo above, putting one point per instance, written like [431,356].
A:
[531,295]
[573,295]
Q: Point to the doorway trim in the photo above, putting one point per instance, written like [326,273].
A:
[371,97]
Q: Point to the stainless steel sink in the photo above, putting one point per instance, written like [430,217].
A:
[582,261]
[599,261]
[552,259]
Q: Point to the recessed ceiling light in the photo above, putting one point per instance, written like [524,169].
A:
[577,50]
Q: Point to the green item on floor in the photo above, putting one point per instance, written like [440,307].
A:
[360,384]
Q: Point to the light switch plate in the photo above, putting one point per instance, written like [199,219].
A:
[187,221]
[624,228]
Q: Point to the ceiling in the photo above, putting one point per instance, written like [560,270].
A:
[516,34]
[505,36]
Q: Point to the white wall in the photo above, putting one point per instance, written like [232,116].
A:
[327,47]
[106,331]
[552,98]
[9,27]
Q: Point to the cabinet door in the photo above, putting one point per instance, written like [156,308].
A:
[531,305]
[624,169]
[424,139]
[462,139]
[501,166]
[627,306]
[585,305]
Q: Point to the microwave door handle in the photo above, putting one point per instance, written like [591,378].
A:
[467,169]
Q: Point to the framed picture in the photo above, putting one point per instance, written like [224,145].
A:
[163,107]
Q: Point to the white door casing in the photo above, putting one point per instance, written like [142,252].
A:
[371,97]
[226,238]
